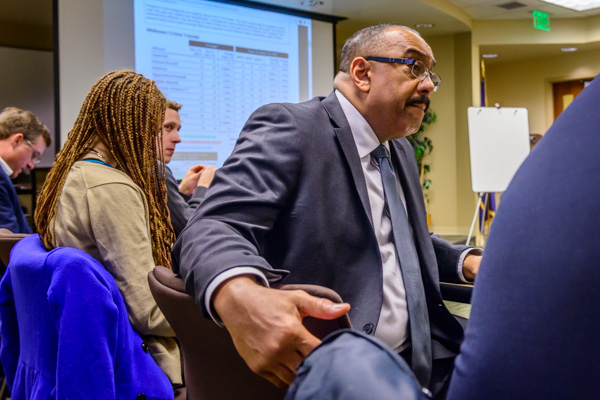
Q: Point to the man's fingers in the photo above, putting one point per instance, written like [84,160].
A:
[281,376]
[306,344]
[319,307]
[281,370]
[274,379]
[286,374]
[197,168]
[286,369]
[291,348]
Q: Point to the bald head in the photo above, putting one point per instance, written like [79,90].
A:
[367,42]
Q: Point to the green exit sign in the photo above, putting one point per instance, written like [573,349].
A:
[541,20]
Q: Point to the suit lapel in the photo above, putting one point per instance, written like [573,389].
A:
[344,136]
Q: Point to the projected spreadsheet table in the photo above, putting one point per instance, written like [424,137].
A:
[221,62]
[220,86]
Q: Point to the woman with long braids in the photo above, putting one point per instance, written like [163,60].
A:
[106,195]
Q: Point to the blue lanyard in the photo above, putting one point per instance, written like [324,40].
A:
[93,160]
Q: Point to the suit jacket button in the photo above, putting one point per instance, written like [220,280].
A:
[140,396]
[368,328]
[145,348]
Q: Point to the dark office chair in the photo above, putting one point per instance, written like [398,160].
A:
[7,241]
[458,292]
[212,367]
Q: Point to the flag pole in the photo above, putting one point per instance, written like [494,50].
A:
[480,195]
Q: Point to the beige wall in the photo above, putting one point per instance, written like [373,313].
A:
[520,84]
[442,194]
[519,31]
[528,83]
[467,61]
[450,198]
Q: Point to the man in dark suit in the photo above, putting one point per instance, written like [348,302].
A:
[301,200]
[23,139]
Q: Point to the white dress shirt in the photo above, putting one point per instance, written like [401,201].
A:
[5,167]
[392,327]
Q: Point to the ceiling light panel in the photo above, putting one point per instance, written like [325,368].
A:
[577,5]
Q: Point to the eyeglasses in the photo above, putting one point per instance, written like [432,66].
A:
[419,69]
[36,155]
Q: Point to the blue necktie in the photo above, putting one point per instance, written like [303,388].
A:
[420,333]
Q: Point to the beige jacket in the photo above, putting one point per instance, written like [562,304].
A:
[104,213]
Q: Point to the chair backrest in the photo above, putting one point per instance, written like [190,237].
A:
[65,330]
[458,292]
[212,367]
[7,241]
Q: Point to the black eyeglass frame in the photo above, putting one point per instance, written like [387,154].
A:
[412,61]
[35,156]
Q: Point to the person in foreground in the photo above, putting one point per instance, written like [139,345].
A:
[106,195]
[302,200]
[533,331]
[23,139]
[183,198]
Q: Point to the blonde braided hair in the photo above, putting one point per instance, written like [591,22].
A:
[125,111]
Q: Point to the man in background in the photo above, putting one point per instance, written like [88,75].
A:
[23,139]
[182,198]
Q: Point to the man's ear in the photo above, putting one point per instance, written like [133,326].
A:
[16,138]
[360,73]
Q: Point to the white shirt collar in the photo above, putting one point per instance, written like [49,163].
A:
[365,138]
[5,167]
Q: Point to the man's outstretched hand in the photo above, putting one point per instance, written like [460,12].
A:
[198,175]
[266,325]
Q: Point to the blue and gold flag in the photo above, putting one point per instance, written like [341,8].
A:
[487,211]
[487,206]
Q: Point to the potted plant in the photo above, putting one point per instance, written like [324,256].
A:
[423,147]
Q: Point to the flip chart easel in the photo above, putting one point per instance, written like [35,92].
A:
[498,144]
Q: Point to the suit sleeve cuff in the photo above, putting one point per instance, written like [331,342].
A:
[222,277]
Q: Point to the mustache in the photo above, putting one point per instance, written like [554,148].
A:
[418,100]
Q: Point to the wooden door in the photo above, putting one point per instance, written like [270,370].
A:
[564,93]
